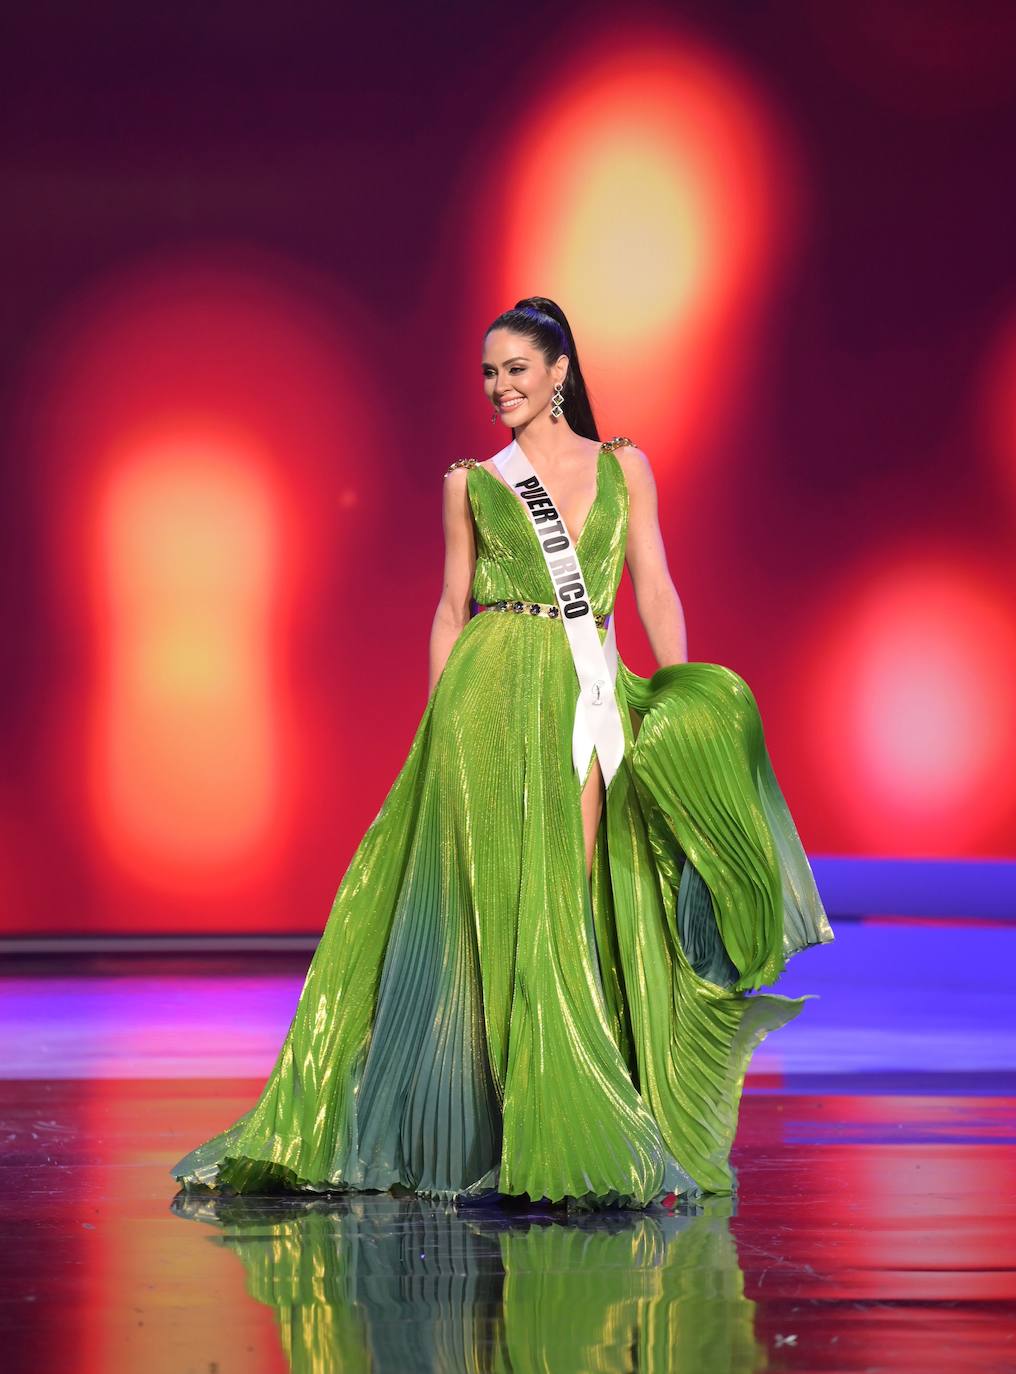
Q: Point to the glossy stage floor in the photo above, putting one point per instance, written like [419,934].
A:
[873,1230]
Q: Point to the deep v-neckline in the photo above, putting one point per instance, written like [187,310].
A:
[517,501]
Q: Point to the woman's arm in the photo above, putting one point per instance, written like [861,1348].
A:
[656,597]
[452,612]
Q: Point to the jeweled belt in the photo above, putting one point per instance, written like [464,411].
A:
[537,608]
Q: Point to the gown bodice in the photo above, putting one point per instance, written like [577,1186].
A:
[509,561]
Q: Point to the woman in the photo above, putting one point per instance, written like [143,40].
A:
[536,977]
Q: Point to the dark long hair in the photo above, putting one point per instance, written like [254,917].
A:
[544,324]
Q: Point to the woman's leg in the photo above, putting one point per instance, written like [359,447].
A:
[592,809]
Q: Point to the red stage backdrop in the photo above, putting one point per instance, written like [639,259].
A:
[242,343]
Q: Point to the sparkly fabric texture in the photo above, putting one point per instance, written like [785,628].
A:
[479,1016]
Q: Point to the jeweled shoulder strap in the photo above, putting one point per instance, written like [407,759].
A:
[597,718]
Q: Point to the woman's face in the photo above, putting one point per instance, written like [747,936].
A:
[518,382]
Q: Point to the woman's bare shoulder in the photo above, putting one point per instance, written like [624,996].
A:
[632,459]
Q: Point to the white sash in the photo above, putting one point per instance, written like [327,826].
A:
[597,719]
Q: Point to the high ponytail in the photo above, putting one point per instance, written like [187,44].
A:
[544,324]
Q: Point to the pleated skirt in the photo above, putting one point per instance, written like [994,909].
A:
[482,1018]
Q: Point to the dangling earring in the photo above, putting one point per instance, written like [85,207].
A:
[557,402]
[493,416]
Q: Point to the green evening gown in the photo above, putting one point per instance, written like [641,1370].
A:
[481,1018]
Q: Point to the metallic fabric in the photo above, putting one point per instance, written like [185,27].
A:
[479,1016]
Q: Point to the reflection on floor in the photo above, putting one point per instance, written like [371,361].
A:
[873,1227]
